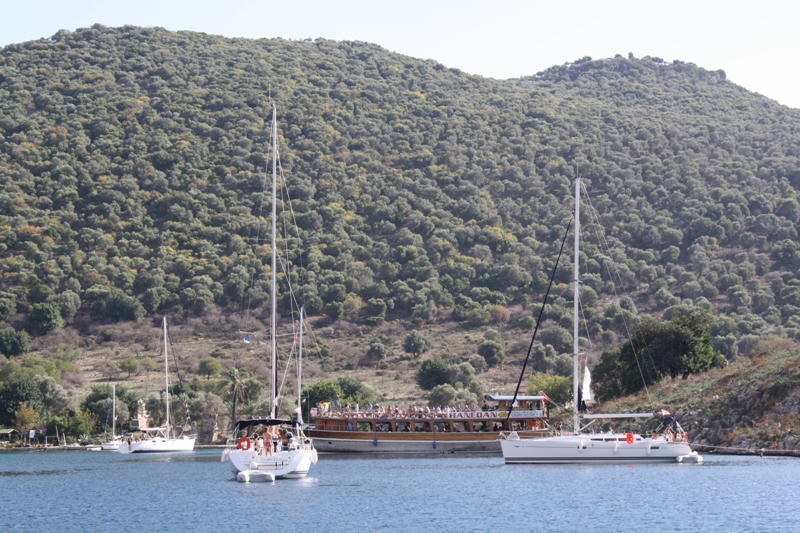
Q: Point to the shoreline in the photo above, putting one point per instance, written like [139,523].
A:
[82,449]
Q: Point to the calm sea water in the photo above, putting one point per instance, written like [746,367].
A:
[106,491]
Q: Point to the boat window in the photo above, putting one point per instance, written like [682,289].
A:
[480,426]
[363,426]
[441,427]
[383,426]
[404,426]
[498,426]
[421,427]
[460,427]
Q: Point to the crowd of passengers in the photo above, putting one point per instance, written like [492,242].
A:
[412,411]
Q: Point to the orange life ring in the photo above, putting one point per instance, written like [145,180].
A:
[629,438]
[244,444]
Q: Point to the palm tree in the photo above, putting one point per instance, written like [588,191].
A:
[235,390]
[251,409]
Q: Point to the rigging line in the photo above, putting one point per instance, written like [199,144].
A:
[286,370]
[293,300]
[603,242]
[633,338]
[285,187]
[180,381]
[249,293]
[538,321]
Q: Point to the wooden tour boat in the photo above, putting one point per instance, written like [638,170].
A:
[448,431]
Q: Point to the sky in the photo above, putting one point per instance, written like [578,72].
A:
[755,43]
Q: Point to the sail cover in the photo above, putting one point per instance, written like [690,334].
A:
[586,392]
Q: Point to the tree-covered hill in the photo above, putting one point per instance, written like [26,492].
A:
[132,164]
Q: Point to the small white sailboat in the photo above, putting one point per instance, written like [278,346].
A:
[113,443]
[668,444]
[160,439]
[287,452]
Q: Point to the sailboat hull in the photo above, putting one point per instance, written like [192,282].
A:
[287,464]
[158,445]
[592,449]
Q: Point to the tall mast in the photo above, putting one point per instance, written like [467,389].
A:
[576,300]
[166,375]
[273,308]
[113,411]
[300,372]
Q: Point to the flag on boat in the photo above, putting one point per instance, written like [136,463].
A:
[664,412]
[247,339]
[546,397]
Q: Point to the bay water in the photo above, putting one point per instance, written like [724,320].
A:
[106,491]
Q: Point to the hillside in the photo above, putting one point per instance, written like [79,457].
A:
[750,406]
[132,163]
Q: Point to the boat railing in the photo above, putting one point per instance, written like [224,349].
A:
[300,441]
[476,414]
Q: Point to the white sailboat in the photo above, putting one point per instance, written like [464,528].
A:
[668,444]
[155,440]
[292,453]
[113,443]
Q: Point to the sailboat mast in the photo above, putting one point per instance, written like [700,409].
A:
[576,303]
[273,308]
[113,411]
[166,375]
[300,371]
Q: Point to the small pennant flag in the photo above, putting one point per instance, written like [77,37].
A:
[247,339]
[546,397]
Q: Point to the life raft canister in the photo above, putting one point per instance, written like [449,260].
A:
[629,438]
[244,443]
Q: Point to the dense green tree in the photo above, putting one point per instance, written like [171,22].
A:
[148,365]
[129,365]
[431,373]
[678,347]
[355,391]
[115,305]
[558,337]
[209,367]
[13,342]
[54,396]
[321,392]
[334,310]
[44,317]
[40,293]
[18,391]
[447,395]
[8,304]
[25,418]
[70,303]
[492,351]
[416,343]
[377,351]
[557,388]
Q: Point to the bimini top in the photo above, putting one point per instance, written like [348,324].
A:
[263,421]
